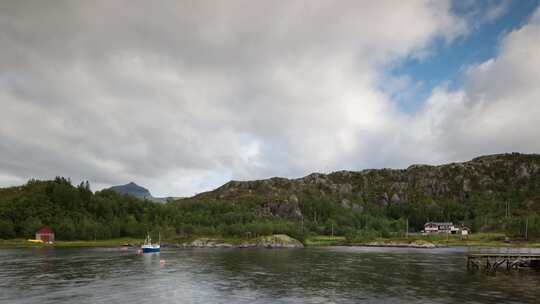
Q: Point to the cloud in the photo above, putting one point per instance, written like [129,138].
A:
[479,12]
[182,96]
[496,11]
[496,110]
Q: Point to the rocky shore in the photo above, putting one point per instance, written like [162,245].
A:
[271,241]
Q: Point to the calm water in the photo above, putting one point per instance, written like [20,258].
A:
[314,275]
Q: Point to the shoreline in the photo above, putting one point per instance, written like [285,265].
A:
[108,243]
[280,241]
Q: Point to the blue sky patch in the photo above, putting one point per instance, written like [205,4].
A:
[445,64]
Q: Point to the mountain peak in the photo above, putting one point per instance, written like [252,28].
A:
[137,191]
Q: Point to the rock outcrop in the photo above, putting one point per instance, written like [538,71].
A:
[488,177]
[271,241]
[278,241]
[280,209]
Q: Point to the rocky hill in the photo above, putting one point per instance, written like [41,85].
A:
[138,192]
[494,177]
[496,193]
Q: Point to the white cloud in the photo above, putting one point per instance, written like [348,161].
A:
[477,13]
[496,11]
[182,96]
[498,108]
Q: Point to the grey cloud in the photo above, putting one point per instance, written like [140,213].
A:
[182,95]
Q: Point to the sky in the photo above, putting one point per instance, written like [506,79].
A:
[183,96]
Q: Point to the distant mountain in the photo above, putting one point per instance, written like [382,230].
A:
[138,192]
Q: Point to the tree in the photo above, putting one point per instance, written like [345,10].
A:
[87,229]
[7,230]
[29,227]
[66,229]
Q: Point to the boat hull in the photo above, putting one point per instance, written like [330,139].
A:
[148,250]
[148,247]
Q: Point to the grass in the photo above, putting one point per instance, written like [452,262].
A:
[325,240]
[476,240]
[23,243]
[443,240]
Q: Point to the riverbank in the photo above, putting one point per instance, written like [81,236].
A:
[284,241]
[417,240]
[317,241]
[23,243]
[271,241]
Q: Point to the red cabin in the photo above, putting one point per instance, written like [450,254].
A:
[45,234]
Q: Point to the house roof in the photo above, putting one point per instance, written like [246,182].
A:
[45,230]
[439,223]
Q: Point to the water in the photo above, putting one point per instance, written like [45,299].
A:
[311,275]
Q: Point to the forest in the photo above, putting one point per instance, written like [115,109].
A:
[76,213]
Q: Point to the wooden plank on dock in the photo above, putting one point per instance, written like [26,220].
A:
[492,261]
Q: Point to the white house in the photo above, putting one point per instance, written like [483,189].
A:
[440,227]
[445,227]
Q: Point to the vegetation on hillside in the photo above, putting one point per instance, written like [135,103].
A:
[489,194]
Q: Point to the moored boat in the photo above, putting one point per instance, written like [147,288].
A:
[148,247]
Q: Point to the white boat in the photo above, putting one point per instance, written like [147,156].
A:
[149,247]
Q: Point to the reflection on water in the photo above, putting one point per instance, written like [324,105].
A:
[313,275]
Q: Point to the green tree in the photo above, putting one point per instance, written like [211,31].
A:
[29,227]
[7,230]
[66,230]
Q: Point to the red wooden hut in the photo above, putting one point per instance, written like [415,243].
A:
[45,234]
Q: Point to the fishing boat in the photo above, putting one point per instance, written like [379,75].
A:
[149,247]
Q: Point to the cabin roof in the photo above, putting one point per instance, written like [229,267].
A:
[45,230]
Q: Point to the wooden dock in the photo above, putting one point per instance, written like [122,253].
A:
[493,261]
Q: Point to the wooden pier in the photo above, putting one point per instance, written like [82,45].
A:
[493,261]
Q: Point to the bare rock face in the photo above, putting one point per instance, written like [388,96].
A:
[357,208]
[207,243]
[523,172]
[278,241]
[467,185]
[399,187]
[280,209]
[293,199]
[345,189]
[269,241]
[491,175]
[383,199]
